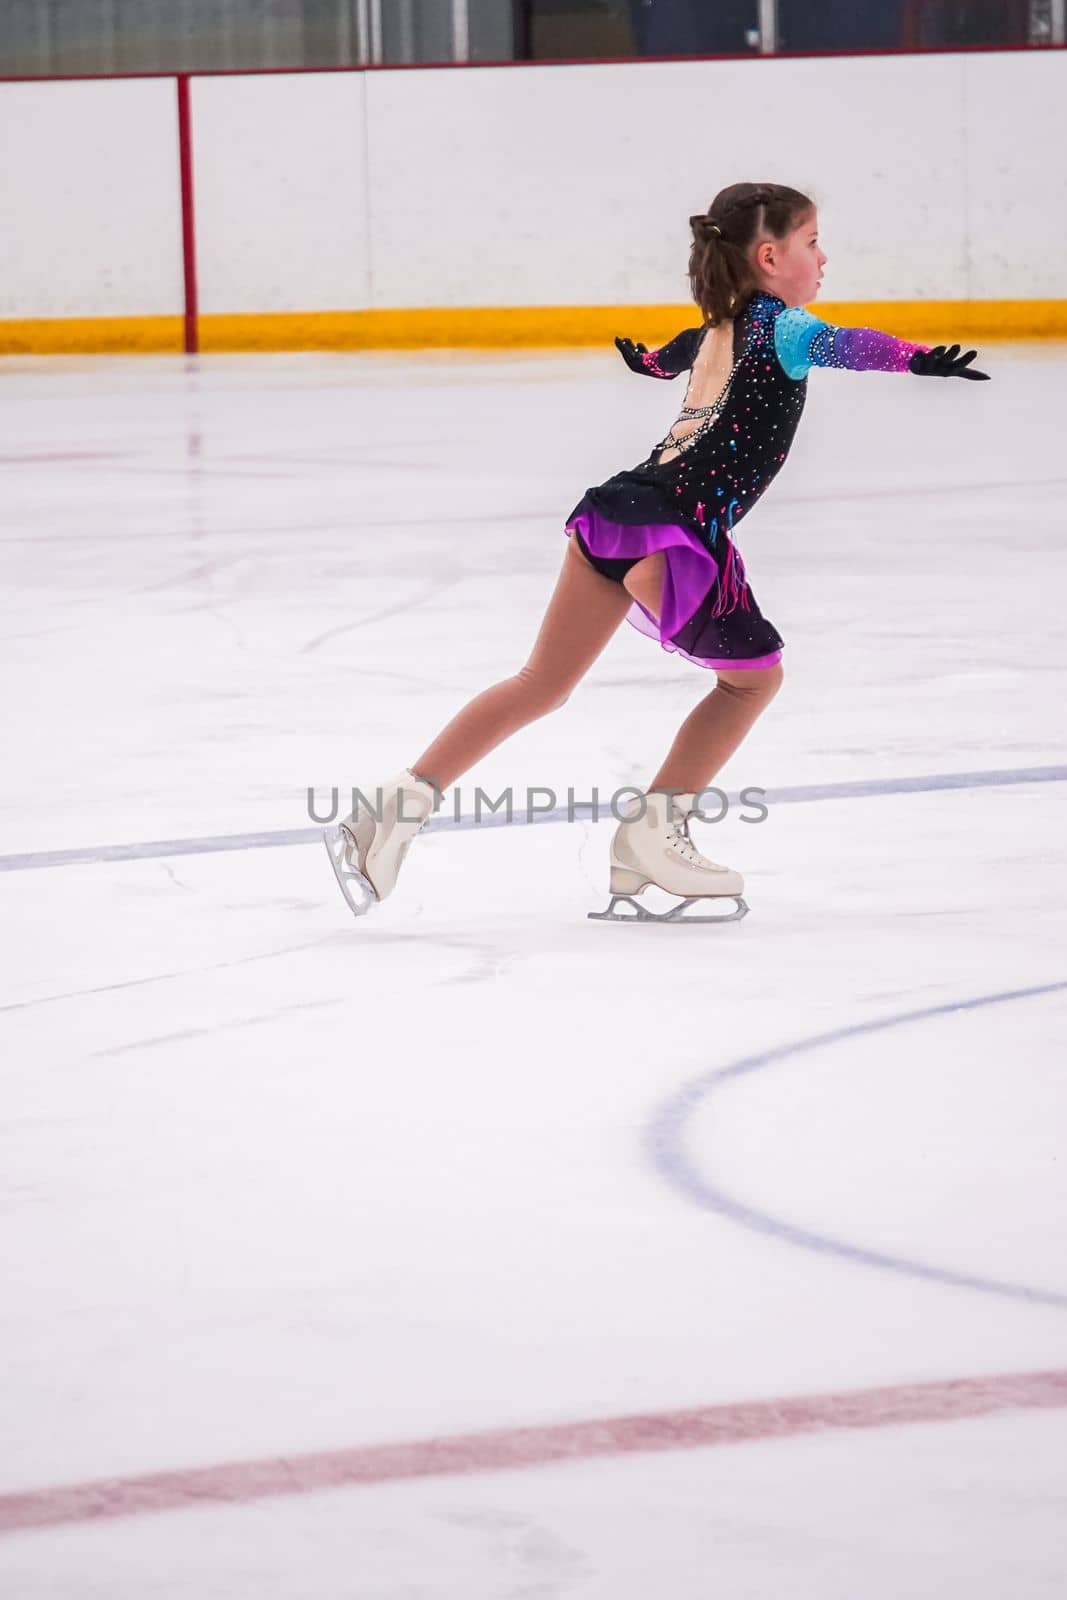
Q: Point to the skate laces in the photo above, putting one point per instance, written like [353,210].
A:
[682,844]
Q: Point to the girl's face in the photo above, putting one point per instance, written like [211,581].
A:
[792,267]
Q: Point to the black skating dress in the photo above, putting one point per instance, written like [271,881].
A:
[689,505]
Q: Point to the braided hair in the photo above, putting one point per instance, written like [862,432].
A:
[722,277]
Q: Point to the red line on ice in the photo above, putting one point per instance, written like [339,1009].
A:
[238,1482]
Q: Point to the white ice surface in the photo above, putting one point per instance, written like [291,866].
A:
[273,1181]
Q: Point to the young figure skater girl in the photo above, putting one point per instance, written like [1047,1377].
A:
[655,545]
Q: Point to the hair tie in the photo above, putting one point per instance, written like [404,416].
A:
[713,227]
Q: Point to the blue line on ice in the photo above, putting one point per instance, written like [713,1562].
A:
[799,794]
[664,1141]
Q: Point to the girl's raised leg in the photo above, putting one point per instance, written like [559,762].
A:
[584,611]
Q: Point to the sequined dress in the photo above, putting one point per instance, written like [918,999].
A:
[688,504]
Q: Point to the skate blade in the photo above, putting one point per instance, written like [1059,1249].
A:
[357,889]
[676,914]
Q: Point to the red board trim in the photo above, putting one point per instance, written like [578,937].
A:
[577,61]
[185,158]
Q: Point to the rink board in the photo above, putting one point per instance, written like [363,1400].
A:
[552,209]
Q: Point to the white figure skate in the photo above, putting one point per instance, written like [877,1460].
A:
[656,848]
[365,853]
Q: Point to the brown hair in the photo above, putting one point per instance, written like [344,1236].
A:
[720,272]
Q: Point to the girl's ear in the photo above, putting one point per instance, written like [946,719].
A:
[765,258]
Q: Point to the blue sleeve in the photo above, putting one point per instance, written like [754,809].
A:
[801,342]
[794,332]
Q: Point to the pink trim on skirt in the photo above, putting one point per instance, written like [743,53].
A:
[689,575]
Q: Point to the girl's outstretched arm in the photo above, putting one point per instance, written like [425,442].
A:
[802,341]
[675,357]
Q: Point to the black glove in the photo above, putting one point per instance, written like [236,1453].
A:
[942,363]
[631,353]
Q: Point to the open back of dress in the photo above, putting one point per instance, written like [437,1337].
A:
[706,395]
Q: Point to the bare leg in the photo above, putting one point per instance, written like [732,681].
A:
[715,728]
[583,613]
[717,725]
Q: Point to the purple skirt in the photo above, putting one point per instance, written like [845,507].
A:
[708,621]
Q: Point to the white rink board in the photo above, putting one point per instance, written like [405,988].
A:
[938,177]
[280,165]
[91,203]
[1017,180]
[573,186]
